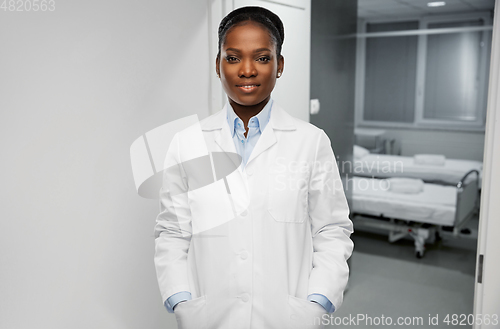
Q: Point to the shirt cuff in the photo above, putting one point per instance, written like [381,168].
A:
[175,299]
[323,301]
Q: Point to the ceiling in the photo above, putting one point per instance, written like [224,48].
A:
[398,8]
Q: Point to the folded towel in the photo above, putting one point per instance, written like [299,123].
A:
[359,152]
[429,159]
[405,185]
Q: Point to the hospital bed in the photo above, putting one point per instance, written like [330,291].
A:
[420,215]
[448,172]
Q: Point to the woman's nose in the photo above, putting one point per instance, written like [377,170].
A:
[247,69]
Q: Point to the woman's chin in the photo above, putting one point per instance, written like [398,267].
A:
[247,100]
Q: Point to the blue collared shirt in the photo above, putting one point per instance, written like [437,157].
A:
[244,147]
[256,125]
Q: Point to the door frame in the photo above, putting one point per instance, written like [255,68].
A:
[487,285]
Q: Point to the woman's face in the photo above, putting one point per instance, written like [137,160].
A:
[248,58]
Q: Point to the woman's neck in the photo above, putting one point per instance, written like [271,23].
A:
[246,112]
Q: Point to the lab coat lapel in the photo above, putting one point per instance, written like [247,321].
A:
[223,137]
[265,141]
[279,120]
[235,182]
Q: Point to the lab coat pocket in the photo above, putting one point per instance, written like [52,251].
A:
[192,314]
[305,314]
[288,196]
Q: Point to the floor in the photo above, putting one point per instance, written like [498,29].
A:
[387,280]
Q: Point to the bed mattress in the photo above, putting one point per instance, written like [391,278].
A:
[435,204]
[383,165]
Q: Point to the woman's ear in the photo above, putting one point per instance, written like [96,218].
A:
[217,67]
[281,65]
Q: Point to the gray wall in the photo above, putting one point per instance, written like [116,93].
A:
[333,62]
[78,86]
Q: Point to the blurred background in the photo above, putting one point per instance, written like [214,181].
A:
[398,82]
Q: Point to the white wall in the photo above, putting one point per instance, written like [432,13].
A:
[78,85]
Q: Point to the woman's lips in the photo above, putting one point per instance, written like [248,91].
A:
[248,88]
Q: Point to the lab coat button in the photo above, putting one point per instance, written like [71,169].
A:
[245,298]
[244,255]
[244,214]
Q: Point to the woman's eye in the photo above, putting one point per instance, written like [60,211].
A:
[265,59]
[231,58]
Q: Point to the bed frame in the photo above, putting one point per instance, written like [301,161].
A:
[398,167]
[467,206]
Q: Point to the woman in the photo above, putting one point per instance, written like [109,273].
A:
[277,256]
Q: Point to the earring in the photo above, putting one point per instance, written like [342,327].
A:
[279,74]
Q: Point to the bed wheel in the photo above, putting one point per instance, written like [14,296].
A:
[419,254]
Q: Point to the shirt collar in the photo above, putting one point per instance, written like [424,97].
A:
[262,118]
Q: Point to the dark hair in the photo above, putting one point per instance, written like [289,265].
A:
[260,15]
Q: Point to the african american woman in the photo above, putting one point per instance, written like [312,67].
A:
[277,257]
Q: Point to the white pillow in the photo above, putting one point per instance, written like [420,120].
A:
[359,152]
[429,159]
[405,185]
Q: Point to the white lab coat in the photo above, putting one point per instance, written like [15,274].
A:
[251,257]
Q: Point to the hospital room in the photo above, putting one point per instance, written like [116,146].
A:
[398,97]
[419,72]
[421,89]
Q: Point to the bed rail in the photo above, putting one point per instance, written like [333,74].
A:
[467,200]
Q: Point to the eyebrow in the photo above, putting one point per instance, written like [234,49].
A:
[255,51]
